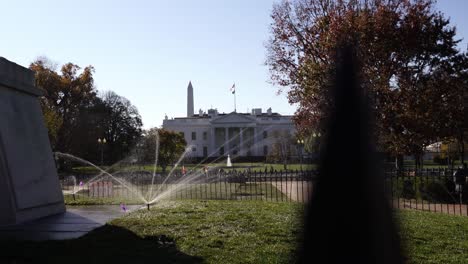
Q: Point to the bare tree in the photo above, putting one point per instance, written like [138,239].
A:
[281,147]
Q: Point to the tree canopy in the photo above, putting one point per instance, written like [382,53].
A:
[121,124]
[410,66]
[65,94]
[76,115]
[171,145]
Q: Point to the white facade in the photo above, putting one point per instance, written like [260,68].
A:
[237,134]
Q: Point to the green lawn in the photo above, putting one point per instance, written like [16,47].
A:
[427,164]
[178,231]
[435,237]
[254,166]
[227,232]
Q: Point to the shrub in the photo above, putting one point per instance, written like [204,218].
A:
[408,191]
[439,160]
[441,191]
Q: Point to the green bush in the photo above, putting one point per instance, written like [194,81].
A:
[437,191]
[439,160]
[431,190]
[408,191]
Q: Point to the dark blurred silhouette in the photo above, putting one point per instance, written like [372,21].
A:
[107,244]
[348,219]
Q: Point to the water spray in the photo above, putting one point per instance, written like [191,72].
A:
[153,196]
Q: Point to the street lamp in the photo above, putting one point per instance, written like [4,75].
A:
[300,143]
[101,143]
[316,143]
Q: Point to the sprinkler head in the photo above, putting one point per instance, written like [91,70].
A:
[148,206]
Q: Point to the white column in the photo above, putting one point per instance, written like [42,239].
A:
[255,147]
[212,147]
[241,142]
[226,139]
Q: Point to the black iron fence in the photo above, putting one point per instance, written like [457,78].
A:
[221,185]
[425,189]
[434,190]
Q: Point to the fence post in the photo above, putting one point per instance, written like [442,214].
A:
[281,184]
[297,185]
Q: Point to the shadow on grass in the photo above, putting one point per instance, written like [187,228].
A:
[108,244]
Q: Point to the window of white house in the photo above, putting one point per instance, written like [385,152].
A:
[221,151]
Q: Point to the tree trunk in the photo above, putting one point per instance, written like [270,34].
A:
[399,162]
[461,148]
[418,161]
[462,152]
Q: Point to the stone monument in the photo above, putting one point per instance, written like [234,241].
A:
[29,185]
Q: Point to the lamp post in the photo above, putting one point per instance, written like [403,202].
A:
[101,143]
[300,143]
[316,136]
[139,157]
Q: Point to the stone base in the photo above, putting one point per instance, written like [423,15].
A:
[39,212]
[74,223]
[29,184]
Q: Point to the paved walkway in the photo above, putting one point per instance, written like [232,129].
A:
[454,209]
[298,191]
[75,222]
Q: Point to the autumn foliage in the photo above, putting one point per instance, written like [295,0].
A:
[410,67]
[76,115]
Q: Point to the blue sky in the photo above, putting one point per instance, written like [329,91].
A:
[148,51]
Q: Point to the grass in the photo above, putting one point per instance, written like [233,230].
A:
[178,231]
[224,232]
[434,237]
[254,166]
[427,164]
[227,232]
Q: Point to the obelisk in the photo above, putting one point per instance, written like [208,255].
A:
[190,100]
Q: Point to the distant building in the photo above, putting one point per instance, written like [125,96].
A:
[238,134]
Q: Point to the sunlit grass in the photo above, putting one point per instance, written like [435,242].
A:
[226,231]
[434,237]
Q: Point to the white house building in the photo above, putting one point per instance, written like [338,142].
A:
[238,134]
